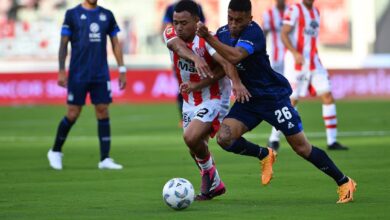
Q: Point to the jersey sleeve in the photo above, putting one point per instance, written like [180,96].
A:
[291,16]
[252,39]
[113,28]
[266,21]
[67,26]
[169,34]
[209,48]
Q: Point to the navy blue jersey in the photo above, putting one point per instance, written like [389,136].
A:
[87,31]
[168,16]
[255,70]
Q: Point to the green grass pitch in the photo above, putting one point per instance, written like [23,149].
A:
[146,140]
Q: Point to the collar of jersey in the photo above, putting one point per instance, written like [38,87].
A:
[85,9]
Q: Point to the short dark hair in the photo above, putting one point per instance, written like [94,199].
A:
[240,5]
[189,6]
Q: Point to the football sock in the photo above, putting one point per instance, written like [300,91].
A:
[62,132]
[104,137]
[243,147]
[275,135]
[321,160]
[206,163]
[330,120]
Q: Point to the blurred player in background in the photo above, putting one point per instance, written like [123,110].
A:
[303,67]
[242,42]
[272,26]
[86,27]
[206,100]
[168,21]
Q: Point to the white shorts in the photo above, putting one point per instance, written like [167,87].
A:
[278,66]
[316,82]
[209,111]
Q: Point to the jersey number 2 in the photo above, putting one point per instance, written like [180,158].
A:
[283,114]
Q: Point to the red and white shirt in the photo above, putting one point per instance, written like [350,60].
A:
[304,35]
[272,23]
[186,71]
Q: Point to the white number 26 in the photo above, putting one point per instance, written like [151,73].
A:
[283,114]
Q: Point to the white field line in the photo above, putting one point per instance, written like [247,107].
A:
[176,137]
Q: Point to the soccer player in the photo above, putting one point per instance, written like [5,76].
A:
[272,26]
[206,100]
[86,27]
[303,67]
[168,21]
[242,42]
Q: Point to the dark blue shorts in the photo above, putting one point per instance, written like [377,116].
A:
[100,92]
[279,114]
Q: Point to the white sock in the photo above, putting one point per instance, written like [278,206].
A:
[275,135]
[205,164]
[330,119]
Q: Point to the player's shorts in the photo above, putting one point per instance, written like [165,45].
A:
[315,82]
[208,111]
[279,114]
[100,92]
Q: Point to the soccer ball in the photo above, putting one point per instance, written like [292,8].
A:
[178,193]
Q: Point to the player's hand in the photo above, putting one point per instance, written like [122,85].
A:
[62,79]
[298,58]
[187,87]
[202,30]
[202,68]
[122,81]
[240,92]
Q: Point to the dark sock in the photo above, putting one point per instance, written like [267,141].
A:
[62,132]
[321,160]
[243,147]
[104,137]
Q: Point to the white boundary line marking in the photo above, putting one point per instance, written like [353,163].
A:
[177,137]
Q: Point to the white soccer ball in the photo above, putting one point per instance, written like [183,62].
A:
[178,193]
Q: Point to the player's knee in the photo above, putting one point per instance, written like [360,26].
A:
[224,140]
[191,140]
[72,115]
[302,150]
[102,112]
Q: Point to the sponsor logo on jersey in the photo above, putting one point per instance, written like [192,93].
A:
[186,65]
[94,35]
[313,30]
[83,17]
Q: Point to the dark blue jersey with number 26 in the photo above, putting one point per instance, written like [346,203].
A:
[87,30]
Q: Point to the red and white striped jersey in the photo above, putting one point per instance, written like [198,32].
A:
[304,35]
[272,23]
[186,71]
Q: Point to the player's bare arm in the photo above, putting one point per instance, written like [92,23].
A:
[286,30]
[239,90]
[233,54]
[178,46]
[62,54]
[116,48]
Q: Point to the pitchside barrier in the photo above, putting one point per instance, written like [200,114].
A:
[150,86]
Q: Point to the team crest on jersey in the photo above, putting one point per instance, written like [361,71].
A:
[169,30]
[200,51]
[102,17]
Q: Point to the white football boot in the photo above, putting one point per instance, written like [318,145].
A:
[55,159]
[109,163]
